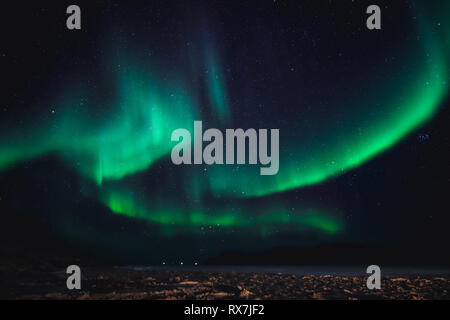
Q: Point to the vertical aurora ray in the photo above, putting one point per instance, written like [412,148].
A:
[216,89]
[137,136]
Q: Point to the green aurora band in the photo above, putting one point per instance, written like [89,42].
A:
[414,102]
[124,142]
[135,133]
[269,219]
[408,101]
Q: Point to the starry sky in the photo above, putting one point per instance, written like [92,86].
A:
[86,118]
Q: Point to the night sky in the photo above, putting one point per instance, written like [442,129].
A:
[86,118]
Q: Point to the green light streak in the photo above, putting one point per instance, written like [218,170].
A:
[134,132]
[128,139]
[216,89]
[398,108]
[272,217]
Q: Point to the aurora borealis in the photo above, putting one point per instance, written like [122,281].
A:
[341,100]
